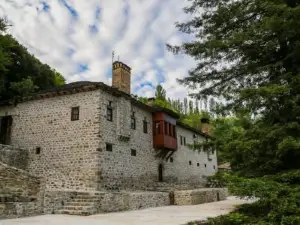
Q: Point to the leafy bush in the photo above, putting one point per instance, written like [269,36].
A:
[216,181]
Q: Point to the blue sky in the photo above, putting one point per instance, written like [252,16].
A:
[77,37]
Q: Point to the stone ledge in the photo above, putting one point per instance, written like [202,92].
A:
[200,196]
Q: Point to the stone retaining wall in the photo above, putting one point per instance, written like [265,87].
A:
[19,193]
[17,184]
[15,157]
[200,196]
[10,210]
[125,201]
[54,201]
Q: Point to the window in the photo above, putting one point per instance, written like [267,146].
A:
[190,162]
[182,140]
[74,113]
[171,159]
[133,121]
[205,165]
[198,164]
[214,167]
[157,129]
[108,147]
[170,130]
[166,128]
[174,131]
[145,126]
[109,112]
[38,150]
[133,152]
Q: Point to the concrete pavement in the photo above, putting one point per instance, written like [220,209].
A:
[169,215]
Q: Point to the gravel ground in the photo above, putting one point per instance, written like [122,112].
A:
[169,215]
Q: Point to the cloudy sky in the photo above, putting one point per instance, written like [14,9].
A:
[77,37]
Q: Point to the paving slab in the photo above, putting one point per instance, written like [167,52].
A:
[168,215]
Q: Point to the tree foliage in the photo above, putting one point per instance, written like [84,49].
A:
[20,72]
[248,53]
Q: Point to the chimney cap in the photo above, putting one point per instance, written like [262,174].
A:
[119,64]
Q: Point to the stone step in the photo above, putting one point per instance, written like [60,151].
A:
[75,212]
[83,200]
[78,203]
[83,195]
[78,208]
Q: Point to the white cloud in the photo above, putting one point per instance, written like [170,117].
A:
[136,29]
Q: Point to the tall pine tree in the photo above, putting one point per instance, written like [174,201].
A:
[248,52]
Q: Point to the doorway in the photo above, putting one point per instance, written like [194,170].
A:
[160,173]
[5,129]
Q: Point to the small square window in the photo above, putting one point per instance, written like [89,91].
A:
[133,152]
[38,150]
[198,164]
[190,162]
[145,126]
[205,165]
[171,159]
[75,113]
[109,147]
[214,167]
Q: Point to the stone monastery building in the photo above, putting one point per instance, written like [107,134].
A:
[88,136]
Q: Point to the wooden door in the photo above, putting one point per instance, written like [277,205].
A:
[160,173]
[5,132]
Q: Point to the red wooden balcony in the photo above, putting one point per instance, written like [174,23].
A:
[164,131]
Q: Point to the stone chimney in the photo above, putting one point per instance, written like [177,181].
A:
[205,127]
[121,77]
[151,101]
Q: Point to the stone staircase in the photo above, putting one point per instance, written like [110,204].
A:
[82,204]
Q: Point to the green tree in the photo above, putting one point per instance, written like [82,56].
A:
[247,52]
[185,105]
[191,107]
[160,93]
[17,65]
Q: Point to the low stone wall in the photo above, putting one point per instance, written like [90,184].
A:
[9,210]
[17,184]
[14,157]
[124,201]
[141,200]
[200,196]
[20,193]
[53,201]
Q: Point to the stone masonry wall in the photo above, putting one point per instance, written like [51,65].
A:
[62,152]
[120,170]
[71,155]
[124,201]
[200,196]
[17,184]
[20,193]
[14,157]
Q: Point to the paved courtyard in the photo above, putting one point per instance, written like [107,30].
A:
[169,215]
